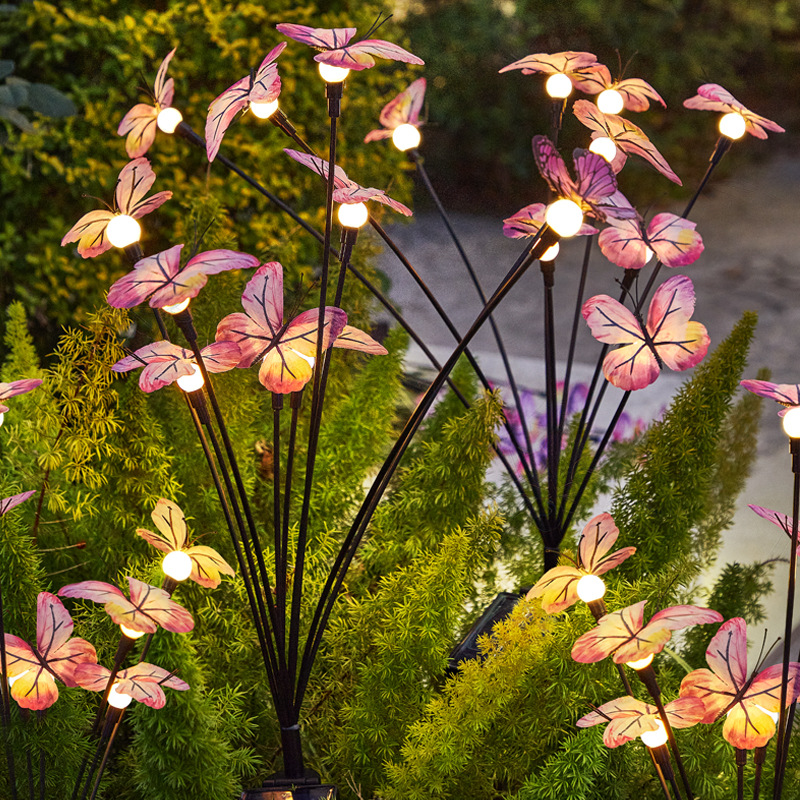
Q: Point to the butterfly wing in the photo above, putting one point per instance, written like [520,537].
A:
[322,38]
[207,565]
[53,631]
[267,84]
[90,233]
[320,166]
[681,344]
[163,364]
[596,179]
[557,588]
[568,61]
[674,239]
[34,687]
[133,184]
[7,503]
[637,94]
[627,718]
[787,394]
[22,386]
[222,111]
[359,55]
[623,244]
[153,275]
[221,356]
[403,109]
[171,523]
[139,125]
[597,539]
[164,87]
[153,605]
[592,79]
[632,365]
[353,193]
[612,632]
[352,338]
[116,605]
[552,167]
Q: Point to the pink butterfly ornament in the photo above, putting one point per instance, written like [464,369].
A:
[669,337]
[562,69]
[164,363]
[286,350]
[140,123]
[32,672]
[7,503]
[14,388]
[99,230]
[625,636]
[783,521]
[628,718]
[400,117]
[750,705]
[147,609]
[633,94]
[205,565]
[161,279]
[260,92]
[528,221]
[787,394]
[336,49]
[142,682]
[560,587]
[738,119]
[630,245]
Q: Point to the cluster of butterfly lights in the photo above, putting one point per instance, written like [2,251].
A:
[123,230]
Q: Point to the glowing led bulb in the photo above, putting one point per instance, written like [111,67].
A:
[732,125]
[123,230]
[550,253]
[264,109]
[353,215]
[168,119]
[604,147]
[178,307]
[130,633]
[791,423]
[177,565]
[641,663]
[193,382]
[332,74]
[117,699]
[405,137]
[564,217]
[655,738]
[558,86]
[610,101]
[590,588]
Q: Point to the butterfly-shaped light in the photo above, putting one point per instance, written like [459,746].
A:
[630,245]
[713,97]
[632,94]
[628,139]
[13,388]
[285,350]
[345,190]
[625,636]
[336,49]
[165,363]
[528,221]
[669,337]
[161,279]
[7,503]
[259,91]
[140,123]
[142,682]
[629,718]
[148,608]
[32,671]
[559,586]
[206,564]
[562,69]
[748,703]
[400,117]
[95,232]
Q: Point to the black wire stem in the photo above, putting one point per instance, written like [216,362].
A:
[5,712]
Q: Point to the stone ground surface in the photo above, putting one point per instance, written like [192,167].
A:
[751,261]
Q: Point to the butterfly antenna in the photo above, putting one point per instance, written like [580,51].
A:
[624,69]
[99,200]
[377,24]
[763,653]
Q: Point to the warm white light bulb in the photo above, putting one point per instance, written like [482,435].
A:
[118,699]
[123,230]
[604,147]
[193,382]
[177,307]
[791,422]
[353,215]
[264,109]
[558,86]
[590,588]
[564,217]
[610,101]
[332,74]
[168,119]
[550,253]
[177,565]
[641,663]
[656,738]
[130,633]
[406,137]
[732,125]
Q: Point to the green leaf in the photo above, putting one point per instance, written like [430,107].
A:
[16,118]
[49,101]
[19,90]
[6,67]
